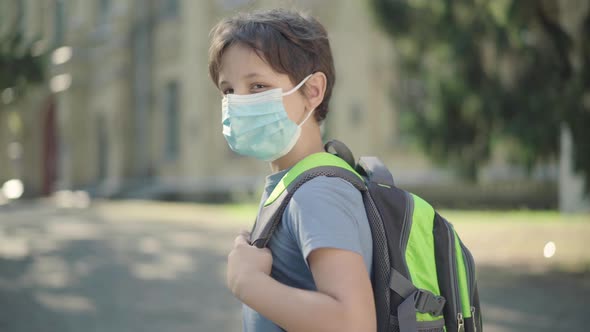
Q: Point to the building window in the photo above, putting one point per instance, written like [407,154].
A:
[232,4]
[169,8]
[22,18]
[104,11]
[103,147]
[60,23]
[356,114]
[171,113]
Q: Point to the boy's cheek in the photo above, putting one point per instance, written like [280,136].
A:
[294,110]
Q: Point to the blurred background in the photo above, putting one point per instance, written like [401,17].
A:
[119,197]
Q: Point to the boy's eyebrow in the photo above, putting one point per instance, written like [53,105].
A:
[250,75]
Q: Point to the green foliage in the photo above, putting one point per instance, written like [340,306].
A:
[480,72]
[18,67]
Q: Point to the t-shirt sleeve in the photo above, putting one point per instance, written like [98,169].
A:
[325,213]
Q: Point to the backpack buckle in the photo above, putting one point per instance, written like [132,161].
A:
[427,302]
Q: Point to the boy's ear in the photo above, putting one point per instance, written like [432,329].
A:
[315,88]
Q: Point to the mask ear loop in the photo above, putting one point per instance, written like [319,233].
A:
[306,117]
[297,86]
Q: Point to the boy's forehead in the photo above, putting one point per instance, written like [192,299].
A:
[240,61]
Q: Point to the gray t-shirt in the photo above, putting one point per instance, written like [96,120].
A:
[323,213]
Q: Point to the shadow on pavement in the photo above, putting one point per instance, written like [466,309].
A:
[81,273]
[75,271]
[518,300]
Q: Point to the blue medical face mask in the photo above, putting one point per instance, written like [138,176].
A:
[257,125]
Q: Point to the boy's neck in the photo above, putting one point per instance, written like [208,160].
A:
[308,145]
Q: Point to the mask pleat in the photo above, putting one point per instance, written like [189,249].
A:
[258,125]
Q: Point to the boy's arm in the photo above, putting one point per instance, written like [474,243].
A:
[343,302]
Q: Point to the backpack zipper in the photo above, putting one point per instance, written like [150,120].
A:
[454,285]
[468,258]
[473,319]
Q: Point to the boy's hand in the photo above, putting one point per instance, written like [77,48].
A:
[244,262]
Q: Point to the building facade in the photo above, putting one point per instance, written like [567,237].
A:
[134,105]
[129,109]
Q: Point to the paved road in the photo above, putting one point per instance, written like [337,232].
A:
[160,267]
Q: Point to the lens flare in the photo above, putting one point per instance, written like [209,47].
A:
[549,249]
[13,189]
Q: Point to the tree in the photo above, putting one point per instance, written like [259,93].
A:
[480,73]
[18,66]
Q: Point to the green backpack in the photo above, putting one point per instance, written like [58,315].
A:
[423,277]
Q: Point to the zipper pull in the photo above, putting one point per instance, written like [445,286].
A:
[473,319]
[460,323]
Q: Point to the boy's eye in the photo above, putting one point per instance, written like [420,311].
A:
[258,86]
[228,91]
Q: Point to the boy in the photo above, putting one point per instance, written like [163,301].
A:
[275,70]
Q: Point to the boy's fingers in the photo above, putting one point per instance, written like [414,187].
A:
[245,233]
[241,239]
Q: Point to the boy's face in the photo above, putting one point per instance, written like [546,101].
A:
[243,72]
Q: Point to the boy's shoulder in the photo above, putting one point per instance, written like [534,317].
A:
[323,189]
[329,212]
[325,198]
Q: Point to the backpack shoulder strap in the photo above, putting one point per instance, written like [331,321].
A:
[318,164]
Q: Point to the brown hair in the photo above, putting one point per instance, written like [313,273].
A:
[290,42]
